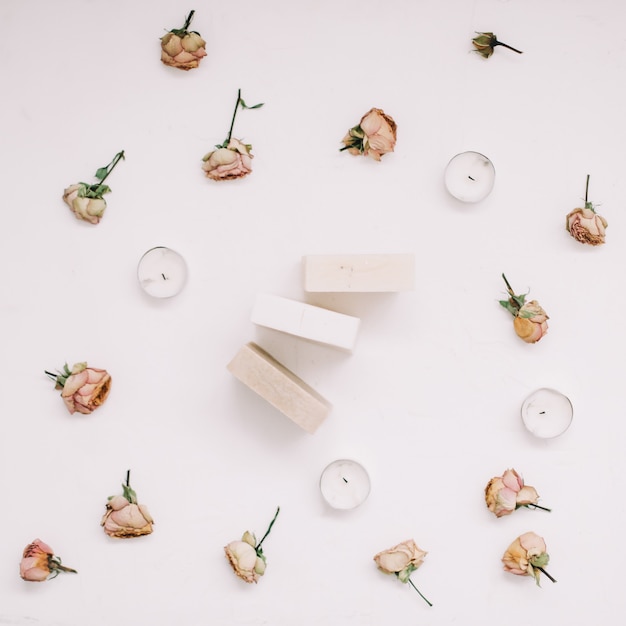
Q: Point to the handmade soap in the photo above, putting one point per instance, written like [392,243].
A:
[271,380]
[306,321]
[359,273]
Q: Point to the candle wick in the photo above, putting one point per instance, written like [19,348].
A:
[344,480]
[542,412]
[471,177]
[164,276]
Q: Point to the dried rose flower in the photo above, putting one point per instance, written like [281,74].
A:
[402,560]
[246,556]
[124,518]
[38,563]
[232,158]
[527,556]
[585,225]
[504,494]
[233,161]
[182,48]
[83,388]
[374,135]
[530,320]
[86,201]
[485,43]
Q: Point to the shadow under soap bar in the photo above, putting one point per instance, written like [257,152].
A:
[271,380]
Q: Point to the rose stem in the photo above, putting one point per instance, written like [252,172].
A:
[543,508]
[128,478]
[421,594]
[188,20]
[232,122]
[112,164]
[587,189]
[543,571]
[267,532]
[53,376]
[63,568]
[508,286]
[505,45]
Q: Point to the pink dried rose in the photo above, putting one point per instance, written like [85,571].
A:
[402,560]
[83,388]
[246,556]
[86,201]
[485,43]
[39,563]
[182,48]
[124,518]
[374,135]
[527,556]
[585,225]
[530,320]
[504,494]
[231,159]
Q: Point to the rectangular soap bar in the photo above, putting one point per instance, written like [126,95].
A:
[306,321]
[359,273]
[271,380]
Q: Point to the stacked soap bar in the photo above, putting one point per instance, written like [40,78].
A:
[279,386]
[306,321]
[359,273]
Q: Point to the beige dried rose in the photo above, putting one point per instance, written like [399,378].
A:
[527,556]
[504,494]
[374,135]
[88,209]
[86,201]
[124,517]
[402,560]
[585,225]
[39,562]
[530,320]
[83,388]
[246,556]
[485,43]
[232,158]
[233,161]
[182,48]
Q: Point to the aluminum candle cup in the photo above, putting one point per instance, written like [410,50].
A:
[470,176]
[162,272]
[345,484]
[546,413]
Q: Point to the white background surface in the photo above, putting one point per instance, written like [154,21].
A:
[429,400]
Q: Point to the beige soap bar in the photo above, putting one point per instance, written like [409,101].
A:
[305,320]
[271,380]
[359,273]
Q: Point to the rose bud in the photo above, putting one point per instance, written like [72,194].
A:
[86,201]
[182,48]
[402,560]
[507,493]
[83,388]
[485,43]
[527,556]
[374,136]
[530,320]
[124,518]
[38,563]
[233,161]
[246,556]
[585,225]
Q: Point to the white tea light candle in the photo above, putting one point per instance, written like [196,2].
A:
[546,413]
[162,272]
[345,484]
[470,176]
